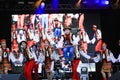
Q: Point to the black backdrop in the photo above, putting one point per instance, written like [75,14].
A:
[110,22]
[5,28]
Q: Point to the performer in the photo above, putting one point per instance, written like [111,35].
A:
[6,62]
[13,31]
[57,28]
[36,36]
[21,36]
[39,59]
[45,21]
[107,56]
[49,63]
[30,62]
[97,38]
[83,35]
[84,57]
[68,45]
[16,57]
[30,32]
[75,75]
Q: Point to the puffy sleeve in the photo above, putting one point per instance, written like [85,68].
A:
[118,58]
[21,58]
[75,40]
[84,55]
[112,58]
[97,58]
[99,34]
[12,58]
[87,38]
[60,43]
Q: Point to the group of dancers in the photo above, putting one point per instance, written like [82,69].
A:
[41,40]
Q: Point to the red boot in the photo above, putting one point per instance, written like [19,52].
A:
[104,78]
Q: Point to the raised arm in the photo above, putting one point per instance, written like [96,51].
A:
[84,55]
[81,21]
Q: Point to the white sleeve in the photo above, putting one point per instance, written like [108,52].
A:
[15,17]
[33,19]
[18,38]
[87,38]
[21,58]
[112,58]
[41,58]
[60,43]
[97,58]
[118,58]
[24,37]
[61,39]
[35,58]
[93,39]
[12,58]
[99,34]
[75,40]
[103,56]
[85,55]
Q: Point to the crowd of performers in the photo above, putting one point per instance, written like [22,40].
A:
[43,40]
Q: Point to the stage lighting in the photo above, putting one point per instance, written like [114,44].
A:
[102,4]
[95,4]
[55,4]
[42,5]
[106,2]
[41,8]
[97,1]
[37,3]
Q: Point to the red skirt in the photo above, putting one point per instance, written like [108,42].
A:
[106,67]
